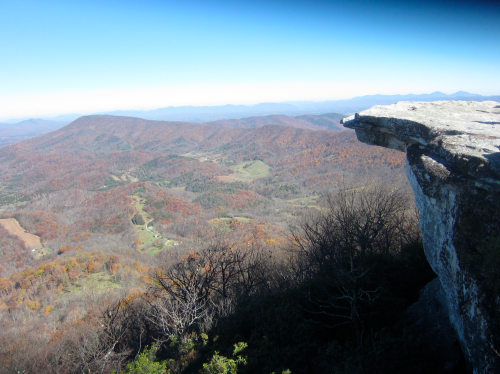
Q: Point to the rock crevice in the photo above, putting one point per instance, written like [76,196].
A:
[453,164]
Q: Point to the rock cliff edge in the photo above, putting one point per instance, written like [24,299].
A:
[453,164]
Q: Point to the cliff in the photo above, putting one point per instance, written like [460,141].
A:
[453,164]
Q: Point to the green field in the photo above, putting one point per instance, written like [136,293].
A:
[97,282]
[139,207]
[252,170]
[155,250]
[144,235]
[169,243]
[308,201]
[247,171]
[42,252]
[216,221]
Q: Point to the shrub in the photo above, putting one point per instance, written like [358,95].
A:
[223,365]
[144,364]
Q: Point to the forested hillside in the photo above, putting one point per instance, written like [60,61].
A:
[180,233]
[11,133]
[330,121]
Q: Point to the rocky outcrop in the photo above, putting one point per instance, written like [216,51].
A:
[453,164]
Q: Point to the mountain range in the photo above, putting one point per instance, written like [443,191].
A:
[13,133]
[302,114]
[291,108]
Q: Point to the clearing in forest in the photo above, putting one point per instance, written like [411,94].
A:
[96,282]
[138,206]
[218,221]
[12,226]
[145,235]
[126,177]
[308,201]
[207,157]
[169,243]
[247,171]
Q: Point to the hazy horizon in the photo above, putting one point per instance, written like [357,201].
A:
[86,56]
[292,102]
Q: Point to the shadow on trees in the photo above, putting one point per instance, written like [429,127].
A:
[354,270]
[332,302]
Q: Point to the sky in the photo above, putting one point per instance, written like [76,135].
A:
[85,56]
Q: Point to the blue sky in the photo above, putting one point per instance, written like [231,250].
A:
[85,56]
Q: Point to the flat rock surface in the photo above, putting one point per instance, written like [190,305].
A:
[463,136]
[440,117]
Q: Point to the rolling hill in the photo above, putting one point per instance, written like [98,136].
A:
[329,121]
[14,132]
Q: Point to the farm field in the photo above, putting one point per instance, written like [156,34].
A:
[139,207]
[207,157]
[144,235]
[308,201]
[247,171]
[96,282]
[169,243]
[12,226]
[217,221]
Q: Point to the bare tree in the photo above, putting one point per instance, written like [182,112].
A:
[202,287]
[336,246]
[181,296]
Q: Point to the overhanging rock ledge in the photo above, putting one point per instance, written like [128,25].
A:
[453,164]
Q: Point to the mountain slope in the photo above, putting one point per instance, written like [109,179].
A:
[91,151]
[14,132]
[330,121]
[102,133]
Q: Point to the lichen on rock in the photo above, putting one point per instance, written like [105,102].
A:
[453,164]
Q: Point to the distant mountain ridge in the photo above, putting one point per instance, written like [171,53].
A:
[330,121]
[13,133]
[290,108]
[301,114]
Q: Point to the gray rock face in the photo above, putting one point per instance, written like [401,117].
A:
[429,318]
[453,164]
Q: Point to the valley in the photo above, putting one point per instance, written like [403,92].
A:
[113,200]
